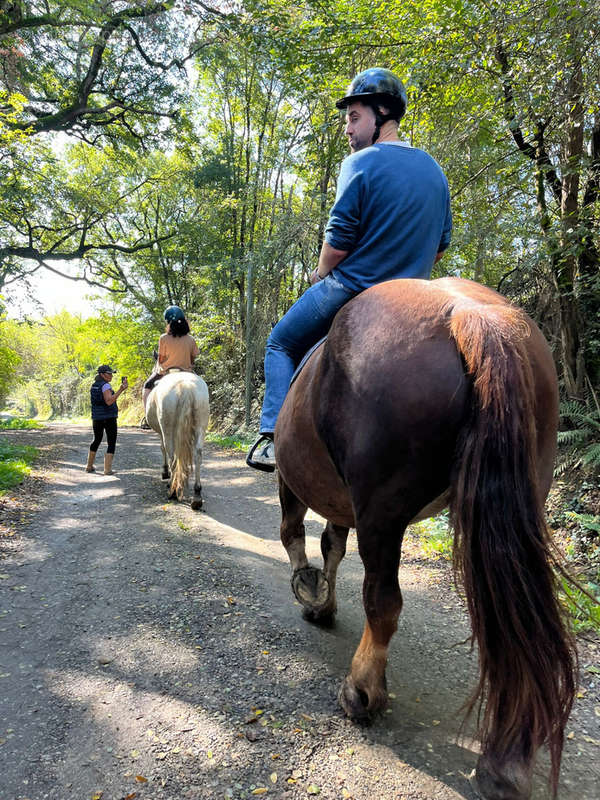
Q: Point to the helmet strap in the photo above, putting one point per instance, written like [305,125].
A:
[380,120]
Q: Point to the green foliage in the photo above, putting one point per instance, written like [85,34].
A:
[583,609]
[19,424]
[434,536]
[580,443]
[15,461]
[9,360]
[241,443]
[61,353]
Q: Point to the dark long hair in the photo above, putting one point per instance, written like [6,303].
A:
[178,327]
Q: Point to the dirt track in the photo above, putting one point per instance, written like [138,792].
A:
[150,651]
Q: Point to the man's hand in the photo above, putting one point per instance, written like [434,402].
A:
[315,277]
[328,260]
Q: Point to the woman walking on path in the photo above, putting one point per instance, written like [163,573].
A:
[104,416]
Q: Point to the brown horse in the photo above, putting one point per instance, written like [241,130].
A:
[429,394]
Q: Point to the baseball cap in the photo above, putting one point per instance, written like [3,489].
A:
[105,368]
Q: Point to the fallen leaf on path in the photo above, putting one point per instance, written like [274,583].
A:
[312,789]
[260,790]
[130,796]
[591,741]
[273,777]
[141,779]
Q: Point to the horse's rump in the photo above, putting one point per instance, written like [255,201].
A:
[178,409]
[391,362]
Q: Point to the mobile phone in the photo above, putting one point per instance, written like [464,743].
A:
[123,379]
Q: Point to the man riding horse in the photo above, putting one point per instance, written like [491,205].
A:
[391,219]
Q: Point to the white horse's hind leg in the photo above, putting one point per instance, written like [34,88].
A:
[165,468]
[197,501]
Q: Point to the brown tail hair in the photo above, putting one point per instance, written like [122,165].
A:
[503,553]
[186,424]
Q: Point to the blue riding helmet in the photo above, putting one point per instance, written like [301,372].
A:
[378,84]
[173,313]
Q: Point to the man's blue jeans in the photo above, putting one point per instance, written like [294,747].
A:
[307,321]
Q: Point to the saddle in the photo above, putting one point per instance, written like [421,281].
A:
[151,382]
[305,358]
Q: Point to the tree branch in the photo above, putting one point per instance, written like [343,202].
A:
[535,151]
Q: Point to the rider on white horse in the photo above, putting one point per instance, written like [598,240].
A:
[176,349]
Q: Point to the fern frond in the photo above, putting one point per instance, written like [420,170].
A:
[571,437]
[571,408]
[591,455]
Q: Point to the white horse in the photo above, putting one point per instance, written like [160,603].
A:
[177,409]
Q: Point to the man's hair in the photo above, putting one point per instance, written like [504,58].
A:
[178,327]
[395,109]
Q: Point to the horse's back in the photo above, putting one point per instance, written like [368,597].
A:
[173,391]
[381,405]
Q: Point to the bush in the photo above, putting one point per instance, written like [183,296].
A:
[15,463]
[580,443]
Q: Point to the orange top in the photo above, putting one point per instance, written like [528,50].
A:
[176,351]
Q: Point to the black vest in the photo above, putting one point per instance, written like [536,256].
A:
[100,410]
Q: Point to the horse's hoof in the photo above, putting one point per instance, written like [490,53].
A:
[354,702]
[196,504]
[165,475]
[512,782]
[311,588]
[360,705]
[172,496]
[323,620]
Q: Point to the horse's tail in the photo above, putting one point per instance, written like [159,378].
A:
[503,553]
[186,431]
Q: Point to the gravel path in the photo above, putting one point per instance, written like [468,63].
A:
[149,651]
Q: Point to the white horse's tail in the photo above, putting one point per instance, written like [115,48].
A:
[187,429]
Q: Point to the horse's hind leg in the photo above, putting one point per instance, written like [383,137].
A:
[313,588]
[197,501]
[165,467]
[364,690]
[333,548]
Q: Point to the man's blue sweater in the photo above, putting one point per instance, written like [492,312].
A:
[391,212]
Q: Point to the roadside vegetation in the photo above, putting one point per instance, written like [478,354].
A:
[15,464]
[15,460]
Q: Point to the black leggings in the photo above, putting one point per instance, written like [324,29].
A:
[101,425]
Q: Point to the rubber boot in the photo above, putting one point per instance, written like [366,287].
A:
[90,463]
[108,459]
